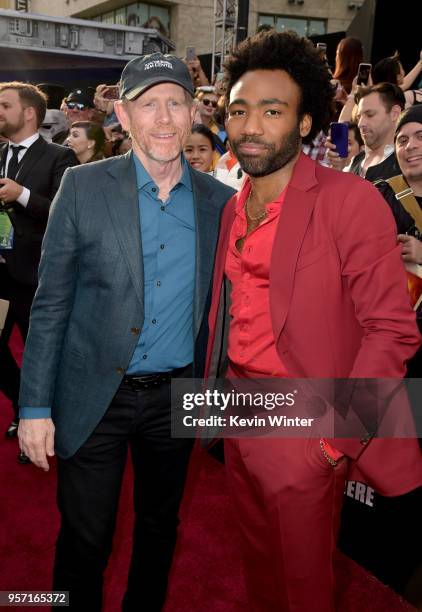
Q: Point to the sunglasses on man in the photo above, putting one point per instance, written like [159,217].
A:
[208,102]
[78,105]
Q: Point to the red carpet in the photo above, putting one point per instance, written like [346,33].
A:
[207,573]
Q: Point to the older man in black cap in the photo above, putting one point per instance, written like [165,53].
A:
[79,105]
[121,309]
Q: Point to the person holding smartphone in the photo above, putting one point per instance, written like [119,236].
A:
[104,98]
[196,71]
[390,70]
[378,108]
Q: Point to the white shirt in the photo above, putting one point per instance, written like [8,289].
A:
[388,150]
[23,199]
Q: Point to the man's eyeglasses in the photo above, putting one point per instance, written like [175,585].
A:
[78,105]
[207,102]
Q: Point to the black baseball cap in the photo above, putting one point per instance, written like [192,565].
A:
[145,71]
[82,96]
[410,115]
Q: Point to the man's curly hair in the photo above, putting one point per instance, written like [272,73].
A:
[300,59]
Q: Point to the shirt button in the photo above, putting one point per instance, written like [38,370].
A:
[246,276]
[154,189]
[120,371]
[158,283]
[161,246]
[135,330]
[154,321]
[144,356]
[162,207]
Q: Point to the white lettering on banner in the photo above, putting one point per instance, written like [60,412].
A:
[283,421]
[237,421]
[360,492]
[158,64]
[212,421]
[269,401]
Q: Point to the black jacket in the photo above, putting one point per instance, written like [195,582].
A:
[404,221]
[41,171]
[386,169]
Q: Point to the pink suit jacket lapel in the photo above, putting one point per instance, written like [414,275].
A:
[294,219]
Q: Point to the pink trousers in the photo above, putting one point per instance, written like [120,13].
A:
[287,500]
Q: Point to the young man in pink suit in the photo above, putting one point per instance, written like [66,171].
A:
[315,288]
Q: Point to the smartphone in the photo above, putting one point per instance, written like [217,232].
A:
[111,93]
[190,54]
[339,133]
[363,74]
[321,46]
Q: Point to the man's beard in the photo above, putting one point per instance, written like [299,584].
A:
[273,159]
[9,129]
[369,140]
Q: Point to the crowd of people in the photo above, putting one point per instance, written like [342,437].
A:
[154,200]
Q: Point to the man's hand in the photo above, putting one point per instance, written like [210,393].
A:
[333,157]
[36,439]
[411,249]
[101,103]
[196,72]
[9,190]
[340,93]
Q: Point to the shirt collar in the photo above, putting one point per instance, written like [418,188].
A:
[388,150]
[25,143]
[143,178]
[244,194]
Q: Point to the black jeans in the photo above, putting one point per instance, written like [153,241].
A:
[89,486]
[21,297]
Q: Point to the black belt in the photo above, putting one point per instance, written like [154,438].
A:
[139,382]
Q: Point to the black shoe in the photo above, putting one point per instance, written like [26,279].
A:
[23,459]
[12,430]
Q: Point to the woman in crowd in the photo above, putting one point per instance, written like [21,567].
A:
[199,150]
[87,141]
[390,70]
[349,55]
[207,105]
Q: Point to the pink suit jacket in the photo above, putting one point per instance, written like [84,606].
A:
[338,302]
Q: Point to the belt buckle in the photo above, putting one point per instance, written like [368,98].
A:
[148,381]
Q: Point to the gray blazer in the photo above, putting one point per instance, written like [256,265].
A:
[89,307]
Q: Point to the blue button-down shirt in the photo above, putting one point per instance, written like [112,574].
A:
[168,247]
